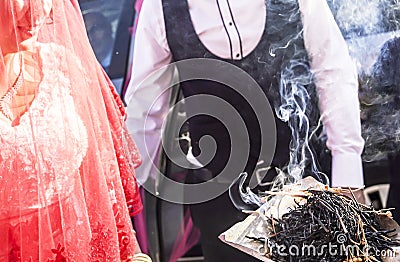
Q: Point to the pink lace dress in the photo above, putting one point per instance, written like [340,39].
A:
[67,182]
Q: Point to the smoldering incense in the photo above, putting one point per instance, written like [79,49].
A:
[328,218]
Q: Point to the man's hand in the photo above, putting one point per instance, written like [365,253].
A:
[356,193]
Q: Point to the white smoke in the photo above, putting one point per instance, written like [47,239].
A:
[361,16]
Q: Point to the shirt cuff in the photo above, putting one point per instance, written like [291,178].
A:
[347,171]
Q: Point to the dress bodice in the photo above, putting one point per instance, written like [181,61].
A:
[40,157]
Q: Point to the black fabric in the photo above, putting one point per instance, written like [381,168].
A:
[213,218]
[394,192]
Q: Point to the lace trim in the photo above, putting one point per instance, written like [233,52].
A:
[58,252]
[101,244]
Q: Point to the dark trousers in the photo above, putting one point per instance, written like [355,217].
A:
[213,218]
[394,192]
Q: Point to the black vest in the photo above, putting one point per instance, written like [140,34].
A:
[281,43]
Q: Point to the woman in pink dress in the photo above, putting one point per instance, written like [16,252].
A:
[67,184]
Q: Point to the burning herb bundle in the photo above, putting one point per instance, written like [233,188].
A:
[327,226]
[308,221]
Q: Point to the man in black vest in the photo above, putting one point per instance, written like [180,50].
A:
[263,39]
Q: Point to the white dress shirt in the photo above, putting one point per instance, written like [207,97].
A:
[334,71]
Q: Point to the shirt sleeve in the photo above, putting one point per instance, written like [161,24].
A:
[337,86]
[147,94]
